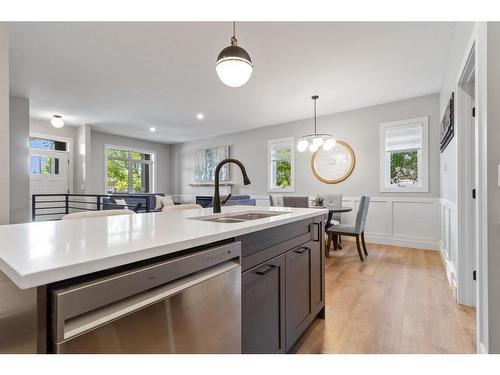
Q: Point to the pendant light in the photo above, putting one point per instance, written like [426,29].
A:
[313,142]
[234,66]
[57,121]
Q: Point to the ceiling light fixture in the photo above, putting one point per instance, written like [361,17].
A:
[200,116]
[57,121]
[152,129]
[234,66]
[313,142]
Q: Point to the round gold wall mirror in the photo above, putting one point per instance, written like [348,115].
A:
[334,165]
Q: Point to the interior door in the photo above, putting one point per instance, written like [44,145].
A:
[49,172]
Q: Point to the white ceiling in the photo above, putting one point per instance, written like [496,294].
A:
[125,77]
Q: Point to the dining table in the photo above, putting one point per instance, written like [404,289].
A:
[333,210]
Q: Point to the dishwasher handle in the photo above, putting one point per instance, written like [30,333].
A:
[78,325]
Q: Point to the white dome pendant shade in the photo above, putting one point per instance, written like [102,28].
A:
[234,66]
[57,121]
[313,142]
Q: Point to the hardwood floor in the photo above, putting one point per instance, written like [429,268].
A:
[397,301]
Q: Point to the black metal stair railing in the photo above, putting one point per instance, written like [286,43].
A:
[46,207]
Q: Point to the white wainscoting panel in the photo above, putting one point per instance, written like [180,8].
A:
[448,243]
[409,222]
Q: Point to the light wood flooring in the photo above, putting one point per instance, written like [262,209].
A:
[397,301]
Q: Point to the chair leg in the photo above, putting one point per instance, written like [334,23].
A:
[363,242]
[328,244]
[335,242]
[358,245]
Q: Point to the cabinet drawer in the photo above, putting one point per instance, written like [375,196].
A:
[260,246]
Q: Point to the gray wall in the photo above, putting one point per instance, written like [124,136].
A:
[19,160]
[493,190]
[95,180]
[4,123]
[359,128]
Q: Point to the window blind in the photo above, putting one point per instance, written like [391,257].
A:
[404,137]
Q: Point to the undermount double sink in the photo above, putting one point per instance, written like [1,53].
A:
[237,217]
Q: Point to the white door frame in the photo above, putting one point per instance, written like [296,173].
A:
[69,142]
[467,163]
[475,56]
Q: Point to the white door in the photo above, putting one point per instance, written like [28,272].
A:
[49,172]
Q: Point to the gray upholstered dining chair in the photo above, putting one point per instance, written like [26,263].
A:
[357,230]
[334,200]
[296,201]
[276,200]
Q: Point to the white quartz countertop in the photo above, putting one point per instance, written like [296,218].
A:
[35,254]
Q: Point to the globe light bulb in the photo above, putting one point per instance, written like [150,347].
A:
[329,144]
[302,145]
[313,147]
[317,142]
[234,72]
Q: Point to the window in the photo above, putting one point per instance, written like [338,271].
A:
[47,144]
[281,165]
[404,156]
[44,165]
[128,170]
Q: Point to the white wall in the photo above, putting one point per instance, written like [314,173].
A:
[83,158]
[69,131]
[408,219]
[95,180]
[19,160]
[4,123]
[448,159]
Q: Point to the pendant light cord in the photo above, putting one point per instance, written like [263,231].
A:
[315,117]
[234,41]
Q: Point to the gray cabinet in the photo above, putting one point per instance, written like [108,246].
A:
[263,303]
[282,285]
[298,292]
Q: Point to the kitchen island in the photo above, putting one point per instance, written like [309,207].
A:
[281,265]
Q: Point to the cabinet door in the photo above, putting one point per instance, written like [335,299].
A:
[263,302]
[317,276]
[298,292]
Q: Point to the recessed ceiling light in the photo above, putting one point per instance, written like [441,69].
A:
[152,129]
[57,121]
[200,116]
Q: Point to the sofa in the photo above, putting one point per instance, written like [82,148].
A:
[148,201]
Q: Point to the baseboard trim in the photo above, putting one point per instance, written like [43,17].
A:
[449,269]
[482,349]
[426,244]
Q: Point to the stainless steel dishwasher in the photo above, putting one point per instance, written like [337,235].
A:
[188,304]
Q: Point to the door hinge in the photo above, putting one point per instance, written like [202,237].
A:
[473,111]
[473,193]
[474,275]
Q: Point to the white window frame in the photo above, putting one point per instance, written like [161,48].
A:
[130,149]
[423,158]
[281,142]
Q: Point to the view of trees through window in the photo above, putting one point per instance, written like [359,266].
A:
[404,167]
[128,171]
[281,166]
